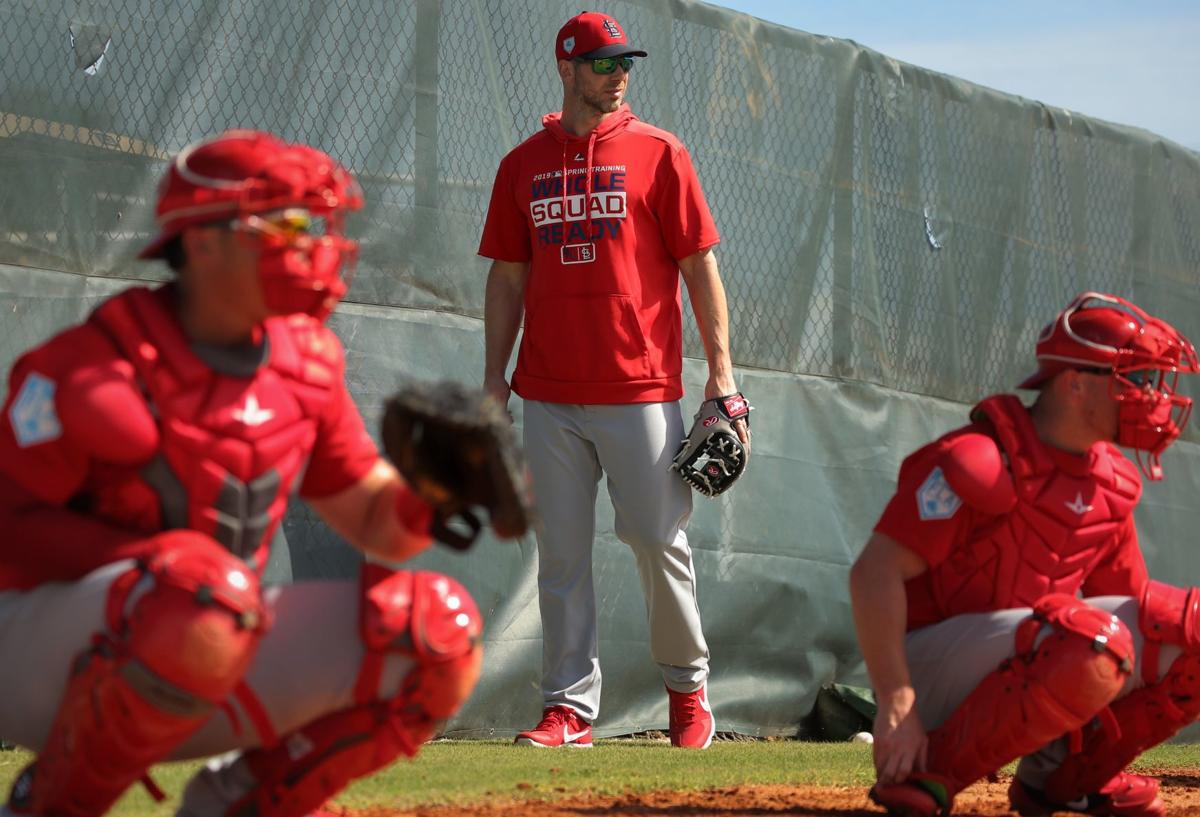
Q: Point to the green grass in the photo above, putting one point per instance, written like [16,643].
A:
[471,771]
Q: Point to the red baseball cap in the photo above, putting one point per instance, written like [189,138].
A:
[592,36]
[246,171]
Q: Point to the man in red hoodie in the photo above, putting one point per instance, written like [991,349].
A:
[590,224]
[967,597]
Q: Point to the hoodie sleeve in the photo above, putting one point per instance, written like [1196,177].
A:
[687,224]
[505,231]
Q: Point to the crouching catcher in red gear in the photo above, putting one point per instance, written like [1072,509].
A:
[967,595]
[146,459]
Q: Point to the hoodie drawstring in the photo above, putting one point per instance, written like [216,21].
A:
[566,144]
[552,122]
[587,189]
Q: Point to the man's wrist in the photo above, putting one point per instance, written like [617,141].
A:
[414,513]
[723,384]
[900,698]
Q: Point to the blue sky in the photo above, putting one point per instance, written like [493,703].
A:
[1136,62]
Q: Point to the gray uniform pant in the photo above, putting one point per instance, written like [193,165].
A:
[568,447]
[949,659]
[305,668]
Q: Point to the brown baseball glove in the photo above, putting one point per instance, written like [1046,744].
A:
[456,447]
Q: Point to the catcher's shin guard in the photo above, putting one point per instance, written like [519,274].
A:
[427,616]
[1036,696]
[1147,716]
[184,626]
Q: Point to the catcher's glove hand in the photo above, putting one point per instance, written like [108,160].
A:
[456,448]
[713,456]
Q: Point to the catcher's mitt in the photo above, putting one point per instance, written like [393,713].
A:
[455,446]
[713,457]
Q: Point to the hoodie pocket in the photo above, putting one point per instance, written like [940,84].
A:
[585,339]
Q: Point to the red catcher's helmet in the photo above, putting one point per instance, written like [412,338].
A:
[1145,355]
[242,172]
[1108,332]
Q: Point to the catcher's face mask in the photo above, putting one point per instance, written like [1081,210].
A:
[293,197]
[1143,355]
[304,264]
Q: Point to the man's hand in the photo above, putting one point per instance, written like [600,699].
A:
[714,455]
[880,604]
[499,390]
[719,386]
[901,743]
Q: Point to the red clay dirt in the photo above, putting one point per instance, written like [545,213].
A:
[1180,792]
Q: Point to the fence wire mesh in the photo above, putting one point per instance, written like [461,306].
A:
[883,226]
[880,222]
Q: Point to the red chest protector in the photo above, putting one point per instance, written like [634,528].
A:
[236,431]
[1067,516]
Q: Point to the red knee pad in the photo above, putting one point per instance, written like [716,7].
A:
[1167,615]
[427,616]
[193,615]
[1171,614]
[1036,696]
[1069,614]
[430,617]
[184,626]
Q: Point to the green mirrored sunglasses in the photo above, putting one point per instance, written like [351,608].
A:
[606,65]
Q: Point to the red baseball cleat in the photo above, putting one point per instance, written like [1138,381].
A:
[912,798]
[1126,795]
[560,726]
[692,721]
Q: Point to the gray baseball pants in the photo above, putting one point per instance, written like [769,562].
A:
[568,447]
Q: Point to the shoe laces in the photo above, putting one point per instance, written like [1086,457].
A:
[685,705]
[555,717]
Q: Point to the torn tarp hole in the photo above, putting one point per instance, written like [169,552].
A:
[934,242]
[90,44]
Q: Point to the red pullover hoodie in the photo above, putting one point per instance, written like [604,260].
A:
[602,221]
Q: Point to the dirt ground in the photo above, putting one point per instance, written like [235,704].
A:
[1180,792]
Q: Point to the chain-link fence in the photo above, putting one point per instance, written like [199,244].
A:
[880,222]
[891,238]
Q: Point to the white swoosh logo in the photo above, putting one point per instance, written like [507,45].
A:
[570,737]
